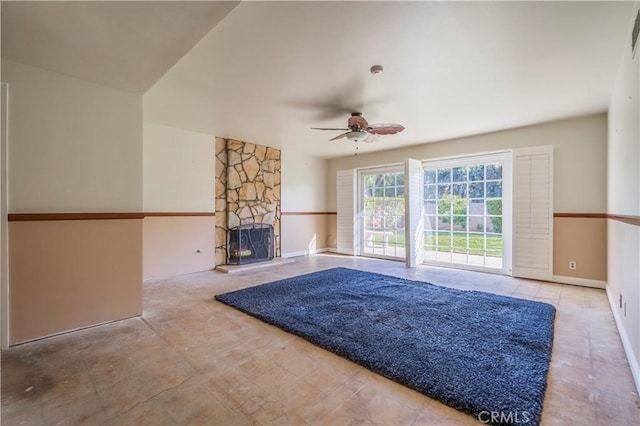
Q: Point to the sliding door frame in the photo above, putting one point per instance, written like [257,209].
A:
[389,168]
[505,157]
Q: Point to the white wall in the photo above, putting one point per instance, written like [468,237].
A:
[303,182]
[624,137]
[624,199]
[178,169]
[580,150]
[75,146]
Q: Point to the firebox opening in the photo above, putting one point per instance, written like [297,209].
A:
[250,243]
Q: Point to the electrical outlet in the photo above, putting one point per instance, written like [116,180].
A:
[572,264]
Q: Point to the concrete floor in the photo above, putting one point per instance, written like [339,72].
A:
[192,360]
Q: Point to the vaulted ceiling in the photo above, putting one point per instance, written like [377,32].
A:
[128,45]
[266,72]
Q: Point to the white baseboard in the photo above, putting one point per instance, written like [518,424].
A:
[626,343]
[584,282]
[304,253]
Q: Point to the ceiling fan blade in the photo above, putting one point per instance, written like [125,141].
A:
[385,128]
[344,135]
[328,128]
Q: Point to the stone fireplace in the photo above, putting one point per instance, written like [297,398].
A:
[247,197]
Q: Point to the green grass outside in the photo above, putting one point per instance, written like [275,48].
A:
[455,242]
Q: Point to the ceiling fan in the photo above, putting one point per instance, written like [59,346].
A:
[359,130]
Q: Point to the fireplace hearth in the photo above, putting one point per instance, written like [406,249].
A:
[250,244]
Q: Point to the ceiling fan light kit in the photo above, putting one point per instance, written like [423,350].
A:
[356,136]
[358,129]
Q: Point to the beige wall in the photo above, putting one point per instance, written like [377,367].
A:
[178,170]
[177,245]
[71,274]
[304,190]
[305,234]
[624,199]
[583,240]
[580,150]
[304,180]
[178,177]
[74,146]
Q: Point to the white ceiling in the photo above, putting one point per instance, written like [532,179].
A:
[125,45]
[269,71]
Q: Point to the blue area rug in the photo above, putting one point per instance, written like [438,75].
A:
[481,353]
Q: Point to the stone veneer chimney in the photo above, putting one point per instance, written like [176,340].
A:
[247,190]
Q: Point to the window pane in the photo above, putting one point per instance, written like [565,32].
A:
[476,243]
[444,206]
[379,192]
[390,192]
[444,175]
[460,223]
[476,172]
[494,243]
[460,242]
[494,171]
[460,190]
[494,189]
[368,182]
[430,192]
[429,207]
[400,179]
[429,176]
[444,239]
[459,174]
[431,222]
[494,207]
[494,224]
[444,223]
[476,190]
[429,239]
[444,190]
[390,179]
[459,205]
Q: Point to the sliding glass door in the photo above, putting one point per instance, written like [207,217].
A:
[382,232]
[464,212]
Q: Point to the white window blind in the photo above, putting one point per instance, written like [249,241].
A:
[346,209]
[414,217]
[533,212]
